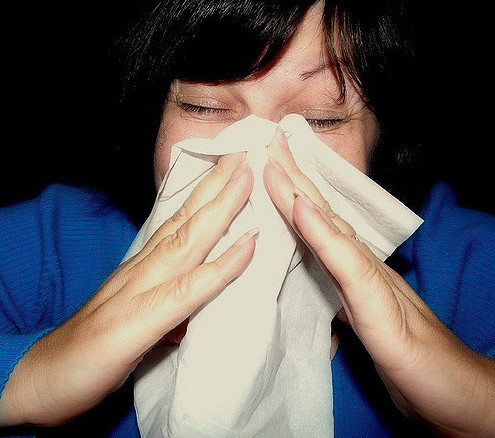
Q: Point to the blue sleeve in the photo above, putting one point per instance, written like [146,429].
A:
[450,263]
[55,251]
[452,260]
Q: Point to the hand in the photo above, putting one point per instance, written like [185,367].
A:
[429,372]
[75,366]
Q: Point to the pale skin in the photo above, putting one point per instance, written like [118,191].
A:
[429,373]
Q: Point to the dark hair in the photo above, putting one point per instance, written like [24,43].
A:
[222,40]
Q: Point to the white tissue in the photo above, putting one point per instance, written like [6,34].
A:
[255,360]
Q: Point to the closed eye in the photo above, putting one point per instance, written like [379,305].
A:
[200,109]
[318,125]
[323,124]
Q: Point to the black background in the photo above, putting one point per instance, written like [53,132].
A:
[58,95]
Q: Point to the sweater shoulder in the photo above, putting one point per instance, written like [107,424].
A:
[453,267]
[446,220]
[55,251]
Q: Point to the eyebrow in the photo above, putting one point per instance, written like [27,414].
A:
[314,71]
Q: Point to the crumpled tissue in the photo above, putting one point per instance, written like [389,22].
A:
[255,360]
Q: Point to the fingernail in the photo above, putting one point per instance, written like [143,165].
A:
[282,139]
[281,152]
[251,234]
[271,153]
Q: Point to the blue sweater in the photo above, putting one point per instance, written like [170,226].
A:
[57,249]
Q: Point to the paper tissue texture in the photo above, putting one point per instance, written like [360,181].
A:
[255,360]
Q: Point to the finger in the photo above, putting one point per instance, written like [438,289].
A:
[178,253]
[349,262]
[375,299]
[169,304]
[280,155]
[329,215]
[280,188]
[282,159]
[365,284]
[283,192]
[153,263]
[341,254]
[206,190]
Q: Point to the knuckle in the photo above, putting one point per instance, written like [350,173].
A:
[127,275]
[181,214]
[344,226]
[347,228]
[328,210]
[217,271]
[156,255]
[370,272]
[159,248]
[178,239]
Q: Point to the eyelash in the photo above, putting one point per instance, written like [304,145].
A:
[189,107]
[317,124]
[323,123]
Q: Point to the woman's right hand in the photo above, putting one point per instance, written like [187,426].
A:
[74,367]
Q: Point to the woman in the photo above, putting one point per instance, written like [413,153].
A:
[338,65]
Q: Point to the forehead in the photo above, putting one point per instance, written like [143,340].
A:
[304,62]
[306,53]
[308,41]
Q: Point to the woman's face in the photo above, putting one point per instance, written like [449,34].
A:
[301,81]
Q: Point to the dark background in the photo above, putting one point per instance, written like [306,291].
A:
[59,96]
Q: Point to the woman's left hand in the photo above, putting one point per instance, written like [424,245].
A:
[429,373]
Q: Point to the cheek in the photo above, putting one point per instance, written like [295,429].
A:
[355,143]
[161,158]
[161,162]
[350,151]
